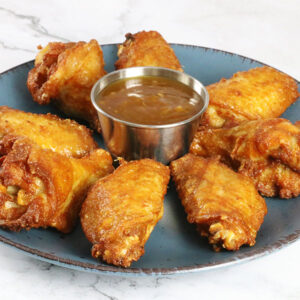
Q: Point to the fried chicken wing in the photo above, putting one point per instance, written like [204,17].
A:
[146,49]
[122,209]
[65,74]
[259,93]
[41,188]
[223,204]
[48,131]
[268,151]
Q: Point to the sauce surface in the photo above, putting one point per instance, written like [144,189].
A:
[149,100]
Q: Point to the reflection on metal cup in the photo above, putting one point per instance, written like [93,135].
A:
[134,141]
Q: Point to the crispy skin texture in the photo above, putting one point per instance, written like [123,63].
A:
[223,204]
[268,151]
[259,93]
[63,136]
[41,188]
[146,49]
[65,74]
[122,209]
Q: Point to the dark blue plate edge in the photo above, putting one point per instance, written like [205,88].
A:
[111,270]
[239,258]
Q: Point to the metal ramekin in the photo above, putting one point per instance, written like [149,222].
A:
[134,141]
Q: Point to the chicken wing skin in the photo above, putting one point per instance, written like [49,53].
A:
[259,93]
[41,188]
[268,151]
[63,136]
[146,49]
[122,209]
[223,204]
[65,74]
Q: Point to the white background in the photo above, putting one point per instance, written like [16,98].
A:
[264,30]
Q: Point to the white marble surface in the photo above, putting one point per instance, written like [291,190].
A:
[264,30]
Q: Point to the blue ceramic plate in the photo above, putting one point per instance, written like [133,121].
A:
[174,246]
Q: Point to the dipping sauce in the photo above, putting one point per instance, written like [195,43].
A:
[150,100]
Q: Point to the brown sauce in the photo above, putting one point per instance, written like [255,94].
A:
[150,100]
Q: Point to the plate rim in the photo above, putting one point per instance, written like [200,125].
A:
[252,60]
[107,269]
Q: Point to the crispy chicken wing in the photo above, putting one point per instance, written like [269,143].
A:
[122,209]
[65,73]
[48,131]
[268,151]
[223,204]
[41,188]
[259,93]
[146,49]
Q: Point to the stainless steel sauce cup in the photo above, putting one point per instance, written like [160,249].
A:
[134,141]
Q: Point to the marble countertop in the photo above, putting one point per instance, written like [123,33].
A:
[264,30]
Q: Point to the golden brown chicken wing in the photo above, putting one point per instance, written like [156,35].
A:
[259,93]
[146,49]
[41,188]
[122,209]
[48,131]
[223,204]
[65,73]
[268,151]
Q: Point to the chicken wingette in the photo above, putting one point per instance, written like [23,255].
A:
[224,205]
[122,209]
[65,73]
[63,136]
[146,48]
[42,188]
[268,151]
[259,93]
